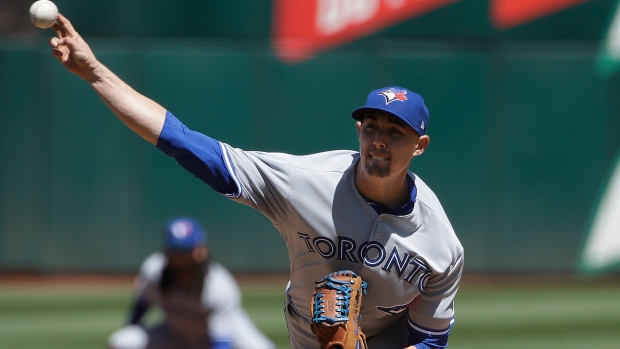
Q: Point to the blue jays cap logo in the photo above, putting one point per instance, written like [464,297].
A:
[181,229]
[184,233]
[392,95]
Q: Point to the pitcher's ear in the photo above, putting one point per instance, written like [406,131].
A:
[422,145]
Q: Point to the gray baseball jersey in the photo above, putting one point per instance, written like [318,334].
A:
[412,263]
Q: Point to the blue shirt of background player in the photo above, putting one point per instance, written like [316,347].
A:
[202,156]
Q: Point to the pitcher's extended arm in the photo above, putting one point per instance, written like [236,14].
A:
[141,114]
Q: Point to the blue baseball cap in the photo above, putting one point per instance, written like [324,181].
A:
[405,104]
[184,234]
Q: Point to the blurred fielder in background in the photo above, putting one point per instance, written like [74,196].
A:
[200,299]
[339,212]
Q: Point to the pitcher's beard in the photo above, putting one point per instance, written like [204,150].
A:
[377,170]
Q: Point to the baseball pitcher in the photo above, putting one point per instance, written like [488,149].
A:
[374,260]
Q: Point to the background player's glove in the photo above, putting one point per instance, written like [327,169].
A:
[336,307]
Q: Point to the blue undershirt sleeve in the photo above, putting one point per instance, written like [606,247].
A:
[427,339]
[219,344]
[199,154]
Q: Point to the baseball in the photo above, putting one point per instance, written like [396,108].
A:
[43,13]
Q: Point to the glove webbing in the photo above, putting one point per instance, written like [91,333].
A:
[343,291]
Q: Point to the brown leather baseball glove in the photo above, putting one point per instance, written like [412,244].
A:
[336,305]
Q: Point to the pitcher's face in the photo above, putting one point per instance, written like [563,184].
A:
[387,144]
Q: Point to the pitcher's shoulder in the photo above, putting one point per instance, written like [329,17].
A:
[335,160]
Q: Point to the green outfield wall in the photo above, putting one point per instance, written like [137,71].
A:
[524,132]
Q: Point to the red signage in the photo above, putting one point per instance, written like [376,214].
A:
[510,13]
[304,27]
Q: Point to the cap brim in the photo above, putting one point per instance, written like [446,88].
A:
[359,113]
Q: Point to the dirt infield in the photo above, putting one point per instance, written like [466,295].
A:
[115,280]
[51,280]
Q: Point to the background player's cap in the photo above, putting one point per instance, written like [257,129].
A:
[184,234]
[407,105]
